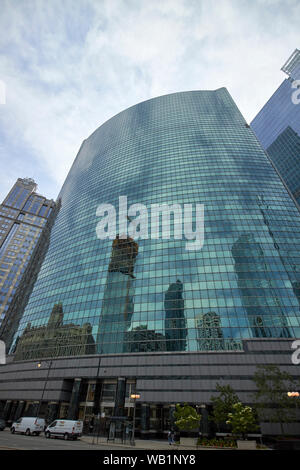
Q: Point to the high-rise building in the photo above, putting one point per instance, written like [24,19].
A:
[117,305]
[208,314]
[277,126]
[55,339]
[209,332]
[23,215]
[263,321]
[175,321]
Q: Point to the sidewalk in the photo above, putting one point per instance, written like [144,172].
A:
[140,444]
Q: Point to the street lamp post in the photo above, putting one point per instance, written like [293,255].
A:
[39,365]
[134,397]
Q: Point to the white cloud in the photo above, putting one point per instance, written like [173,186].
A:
[69,66]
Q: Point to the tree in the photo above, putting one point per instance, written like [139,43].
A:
[187,418]
[271,398]
[242,419]
[222,405]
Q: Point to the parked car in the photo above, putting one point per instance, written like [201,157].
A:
[65,428]
[2,424]
[28,426]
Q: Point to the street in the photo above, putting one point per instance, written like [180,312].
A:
[10,441]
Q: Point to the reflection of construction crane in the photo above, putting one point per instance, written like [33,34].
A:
[124,252]
[123,235]
[267,223]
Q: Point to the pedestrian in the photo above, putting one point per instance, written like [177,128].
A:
[173,437]
[91,425]
[170,438]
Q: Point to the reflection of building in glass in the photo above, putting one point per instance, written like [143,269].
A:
[117,304]
[124,252]
[277,126]
[175,322]
[23,215]
[140,339]
[55,339]
[296,289]
[288,263]
[210,335]
[260,298]
[209,332]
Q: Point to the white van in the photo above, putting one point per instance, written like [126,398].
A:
[65,428]
[28,426]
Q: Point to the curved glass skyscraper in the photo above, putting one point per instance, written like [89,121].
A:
[150,293]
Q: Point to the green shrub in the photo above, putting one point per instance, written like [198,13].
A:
[187,418]
[215,442]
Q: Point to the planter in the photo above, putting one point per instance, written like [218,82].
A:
[188,441]
[215,447]
[246,445]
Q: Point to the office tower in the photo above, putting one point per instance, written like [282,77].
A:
[117,306]
[175,322]
[23,215]
[55,339]
[196,305]
[209,332]
[277,126]
[263,321]
[140,339]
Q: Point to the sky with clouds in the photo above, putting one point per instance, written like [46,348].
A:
[70,65]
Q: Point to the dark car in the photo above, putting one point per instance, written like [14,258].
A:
[2,424]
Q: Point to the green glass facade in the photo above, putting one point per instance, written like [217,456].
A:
[154,294]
